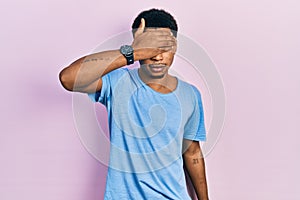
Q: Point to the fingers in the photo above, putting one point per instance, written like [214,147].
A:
[141,28]
[158,39]
[170,47]
[162,40]
[156,32]
[142,24]
[168,41]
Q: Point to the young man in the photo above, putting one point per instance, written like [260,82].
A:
[155,119]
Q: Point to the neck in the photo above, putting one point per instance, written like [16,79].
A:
[165,84]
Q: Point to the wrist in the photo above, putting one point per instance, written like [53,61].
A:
[127,51]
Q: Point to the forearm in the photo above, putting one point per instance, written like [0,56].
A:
[90,68]
[195,166]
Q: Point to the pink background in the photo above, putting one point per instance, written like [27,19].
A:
[255,45]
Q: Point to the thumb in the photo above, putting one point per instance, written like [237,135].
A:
[141,28]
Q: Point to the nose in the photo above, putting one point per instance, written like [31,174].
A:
[158,57]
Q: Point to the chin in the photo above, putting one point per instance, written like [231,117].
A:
[157,75]
[154,72]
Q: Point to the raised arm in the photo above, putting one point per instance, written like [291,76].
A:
[84,75]
[195,166]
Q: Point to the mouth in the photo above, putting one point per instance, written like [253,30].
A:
[157,68]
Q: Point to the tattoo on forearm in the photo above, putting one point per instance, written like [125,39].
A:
[195,161]
[95,59]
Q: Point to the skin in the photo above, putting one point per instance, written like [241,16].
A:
[195,166]
[154,71]
[154,48]
[84,75]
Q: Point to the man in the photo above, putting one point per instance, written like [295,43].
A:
[155,119]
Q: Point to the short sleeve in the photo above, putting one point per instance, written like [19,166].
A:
[108,82]
[194,129]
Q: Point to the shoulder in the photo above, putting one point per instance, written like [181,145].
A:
[115,75]
[189,89]
[117,72]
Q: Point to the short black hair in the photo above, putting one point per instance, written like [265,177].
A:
[156,18]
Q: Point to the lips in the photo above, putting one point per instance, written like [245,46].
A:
[157,68]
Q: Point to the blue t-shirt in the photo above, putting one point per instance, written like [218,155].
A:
[146,133]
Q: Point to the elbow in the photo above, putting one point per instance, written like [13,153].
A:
[192,148]
[65,80]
